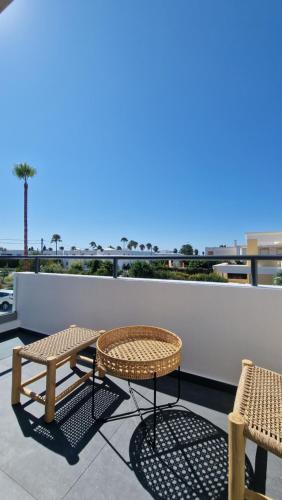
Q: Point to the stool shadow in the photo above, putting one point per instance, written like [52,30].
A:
[190,459]
[73,426]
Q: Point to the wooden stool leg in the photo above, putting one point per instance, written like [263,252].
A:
[236,457]
[50,390]
[73,360]
[16,376]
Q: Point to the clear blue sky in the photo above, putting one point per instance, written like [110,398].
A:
[158,120]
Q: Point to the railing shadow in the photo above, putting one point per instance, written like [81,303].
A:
[189,461]
[73,426]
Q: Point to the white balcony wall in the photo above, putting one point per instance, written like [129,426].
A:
[219,323]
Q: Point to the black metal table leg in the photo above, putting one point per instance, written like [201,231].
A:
[178,384]
[139,410]
[93,385]
[155,409]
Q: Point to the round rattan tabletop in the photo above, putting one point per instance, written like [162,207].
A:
[138,352]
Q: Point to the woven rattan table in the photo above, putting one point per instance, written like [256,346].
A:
[257,415]
[138,353]
[53,352]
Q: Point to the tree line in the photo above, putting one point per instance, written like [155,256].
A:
[24,172]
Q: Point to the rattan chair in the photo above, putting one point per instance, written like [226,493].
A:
[257,415]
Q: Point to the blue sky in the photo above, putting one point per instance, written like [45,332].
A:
[158,120]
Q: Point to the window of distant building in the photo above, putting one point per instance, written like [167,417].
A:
[264,251]
[237,276]
[210,252]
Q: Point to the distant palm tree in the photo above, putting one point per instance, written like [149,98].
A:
[73,248]
[155,248]
[55,239]
[93,244]
[99,247]
[149,246]
[124,240]
[132,244]
[61,248]
[24,172]
[142,247]
[119,247]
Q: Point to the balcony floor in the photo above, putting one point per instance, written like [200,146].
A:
[74,458]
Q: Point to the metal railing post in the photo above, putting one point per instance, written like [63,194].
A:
[254,271]
[37,265]
[115,267]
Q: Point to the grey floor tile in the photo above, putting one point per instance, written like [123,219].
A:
[110,476]
[10,490]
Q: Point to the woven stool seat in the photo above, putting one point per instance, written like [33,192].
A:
[59,345]
[137,352]
[259,402]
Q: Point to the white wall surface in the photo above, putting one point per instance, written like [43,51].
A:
[219,323]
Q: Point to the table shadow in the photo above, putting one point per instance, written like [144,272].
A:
[190,459]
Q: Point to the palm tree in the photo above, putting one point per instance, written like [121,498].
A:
[92,244]
[119,247]
[61,248]
[124,240]
[149,246]
[23,171]
[55,239]
[155,248]
[99,247]
[73,248]
[142,247]
[132,244]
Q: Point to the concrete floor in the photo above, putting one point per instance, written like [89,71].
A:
[74,458]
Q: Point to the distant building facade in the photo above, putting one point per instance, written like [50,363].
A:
[257,243]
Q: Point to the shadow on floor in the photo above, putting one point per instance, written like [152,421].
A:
[208,397]
[189,461]
[73,426]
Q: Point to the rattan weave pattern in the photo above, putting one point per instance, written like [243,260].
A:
[259,401]
[60,344]
[137,352]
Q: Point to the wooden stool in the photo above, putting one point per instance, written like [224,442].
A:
[52,351]
[257,415]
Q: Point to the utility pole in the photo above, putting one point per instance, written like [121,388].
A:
[42,241]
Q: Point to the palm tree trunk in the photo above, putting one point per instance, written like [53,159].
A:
[25,263]
[56,247]
[25,219]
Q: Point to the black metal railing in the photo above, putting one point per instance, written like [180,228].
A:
[253,259]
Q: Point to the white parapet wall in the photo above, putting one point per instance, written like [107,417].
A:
[220,324]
